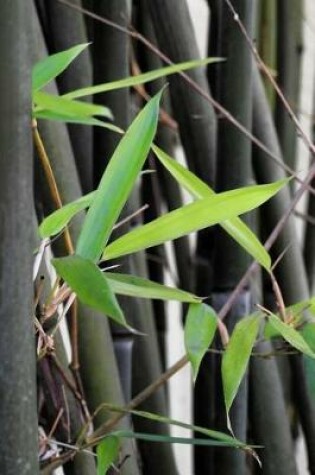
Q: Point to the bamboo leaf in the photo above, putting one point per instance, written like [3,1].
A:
[83,120]
[236,357]
[90,285]
[308,333]
[141,78]
[49,68]
[235,227]
[192,217]
[290,335]
[213,434]
[200,327]
[118,181]
[169,439]
[133,286]
[67,107]
[107,452]
[56,221]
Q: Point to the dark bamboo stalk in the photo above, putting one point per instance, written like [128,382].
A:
[196,120]
[293,284]
[65,29]
[234,170]
[288,67]
[95,344]
[309,239]
[268,416]
[18,419]
[267,42]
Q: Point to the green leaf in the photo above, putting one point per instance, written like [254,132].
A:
[107,452]
[83,120]
[235,227]
[290,335]
[236,357]
[90,285]
[55,222]
[192,217]
[141,78]
[49,68]
[133,286]
[169,439]
[118,181]
[200,327]
[308,333]
[213,434]
[66,107]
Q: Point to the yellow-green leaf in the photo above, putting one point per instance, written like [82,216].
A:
[90,285]
[49,68]
[133,286]
[236,356]
[141,78]
[66,107]
[107,452]
[118,181]
[55,222]
[192,217]
[291,335]
[235,227]
[200,327]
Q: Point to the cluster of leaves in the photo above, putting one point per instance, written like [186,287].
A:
[98,288]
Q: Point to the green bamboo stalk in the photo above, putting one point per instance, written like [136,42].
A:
[18,418]
[65,29]
[290,15]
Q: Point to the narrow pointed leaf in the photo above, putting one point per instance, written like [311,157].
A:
[49,68]
[213,434]
[141,78]
[55,222]
[107,452]
[67,107]
[192,217]
[291,335]
[200,327]
[235,227]
[83,120]
[133,286]
[236,356]
[118,181]
[90,285]
[169,439]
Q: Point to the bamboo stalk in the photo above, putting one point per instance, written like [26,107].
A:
[267,32]
[63,31]
[234,170]
[288,73]
[99,354]
[18,418]
[269,418]
[294,285]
